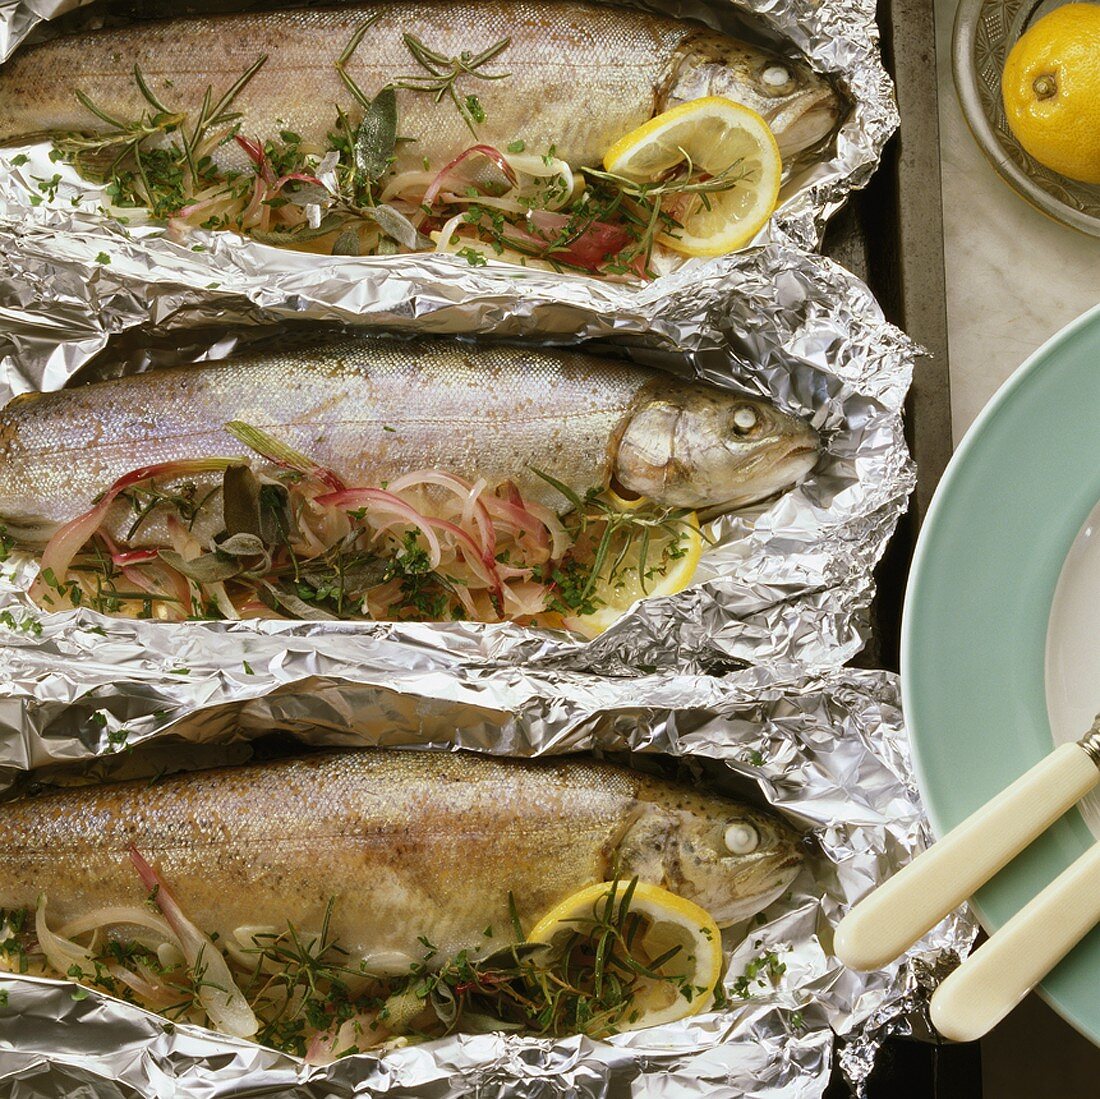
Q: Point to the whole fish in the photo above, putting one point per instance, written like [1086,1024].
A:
[372,408]
[405,845]
[572,76]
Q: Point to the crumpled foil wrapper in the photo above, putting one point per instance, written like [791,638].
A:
[828,752]
[838,37]
[788,582]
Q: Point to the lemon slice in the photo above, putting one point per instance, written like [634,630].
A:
[718,135]
[671,558]
[667,921]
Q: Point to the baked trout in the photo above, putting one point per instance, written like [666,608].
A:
[573,76]
[404,844]
[372,408]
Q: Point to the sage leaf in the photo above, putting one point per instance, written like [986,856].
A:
[346,244]
[281,599]
[241,501]
[242,545]
[377,136]
[395,224]
[210,568]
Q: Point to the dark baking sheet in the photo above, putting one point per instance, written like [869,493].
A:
[891,235]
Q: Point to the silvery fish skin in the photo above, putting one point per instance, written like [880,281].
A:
[405,844]
[580,76]
[373,408]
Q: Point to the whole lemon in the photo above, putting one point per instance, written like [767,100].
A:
[1051,91]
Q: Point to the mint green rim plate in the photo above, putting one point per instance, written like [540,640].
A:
[974,627]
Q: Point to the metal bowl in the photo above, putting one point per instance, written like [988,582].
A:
[985,31]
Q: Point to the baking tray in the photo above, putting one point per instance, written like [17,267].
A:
[891,235]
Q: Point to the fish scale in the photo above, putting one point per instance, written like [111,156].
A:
[580,76]
[404,844]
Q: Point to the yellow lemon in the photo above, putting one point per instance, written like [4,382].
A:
[719,137]
[636,568]
[1051,91]
[690,975]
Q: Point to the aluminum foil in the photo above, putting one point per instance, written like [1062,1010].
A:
[788,582]
[838,37]
[828,752]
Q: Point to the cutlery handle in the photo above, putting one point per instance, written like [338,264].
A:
[885,924]
[999,974]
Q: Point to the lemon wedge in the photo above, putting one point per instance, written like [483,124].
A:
[671,558]
[718,136]
[690,975]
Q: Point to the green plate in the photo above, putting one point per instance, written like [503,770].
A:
[974,630]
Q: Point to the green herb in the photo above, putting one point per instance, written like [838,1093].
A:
[517,146]
[103,258]
[153,160]
[473,257]
[443,73]
[762,971]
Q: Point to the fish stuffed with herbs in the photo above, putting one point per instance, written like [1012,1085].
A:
[380,478]
[477,128]
[346,899]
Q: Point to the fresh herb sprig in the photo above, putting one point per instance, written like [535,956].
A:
[142,171]
[305,986]
[441,75]
[619,533]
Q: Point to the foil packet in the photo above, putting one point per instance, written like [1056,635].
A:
[789,581]
[782,738]
[839,39]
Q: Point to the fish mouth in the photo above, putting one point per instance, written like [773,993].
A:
[780,475]
[785,873]
[811,121]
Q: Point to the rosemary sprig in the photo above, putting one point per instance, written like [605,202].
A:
[153,174]
[305,984]
[349,50]
[620,531]
[443,73]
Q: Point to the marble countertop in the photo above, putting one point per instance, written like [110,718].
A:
[1014,277]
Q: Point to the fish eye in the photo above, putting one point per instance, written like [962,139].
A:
[741,839]
[776,76]
[744,419]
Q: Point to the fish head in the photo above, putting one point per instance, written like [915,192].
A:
[712,450]
[801,106]
[730,859]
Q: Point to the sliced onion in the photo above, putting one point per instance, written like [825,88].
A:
[521,517]
[257,155]
[467,493]
[248,218]
[155,995]
[509,205]
[406,181]
[134,557]
[66,543]
[61,953]
[354,498]
[129,915]
[527,598]
[487,151]
[559,536]
[225,1006]
[443,241]
[216,590]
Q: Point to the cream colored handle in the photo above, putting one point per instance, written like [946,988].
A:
[885,924]
[999,974]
